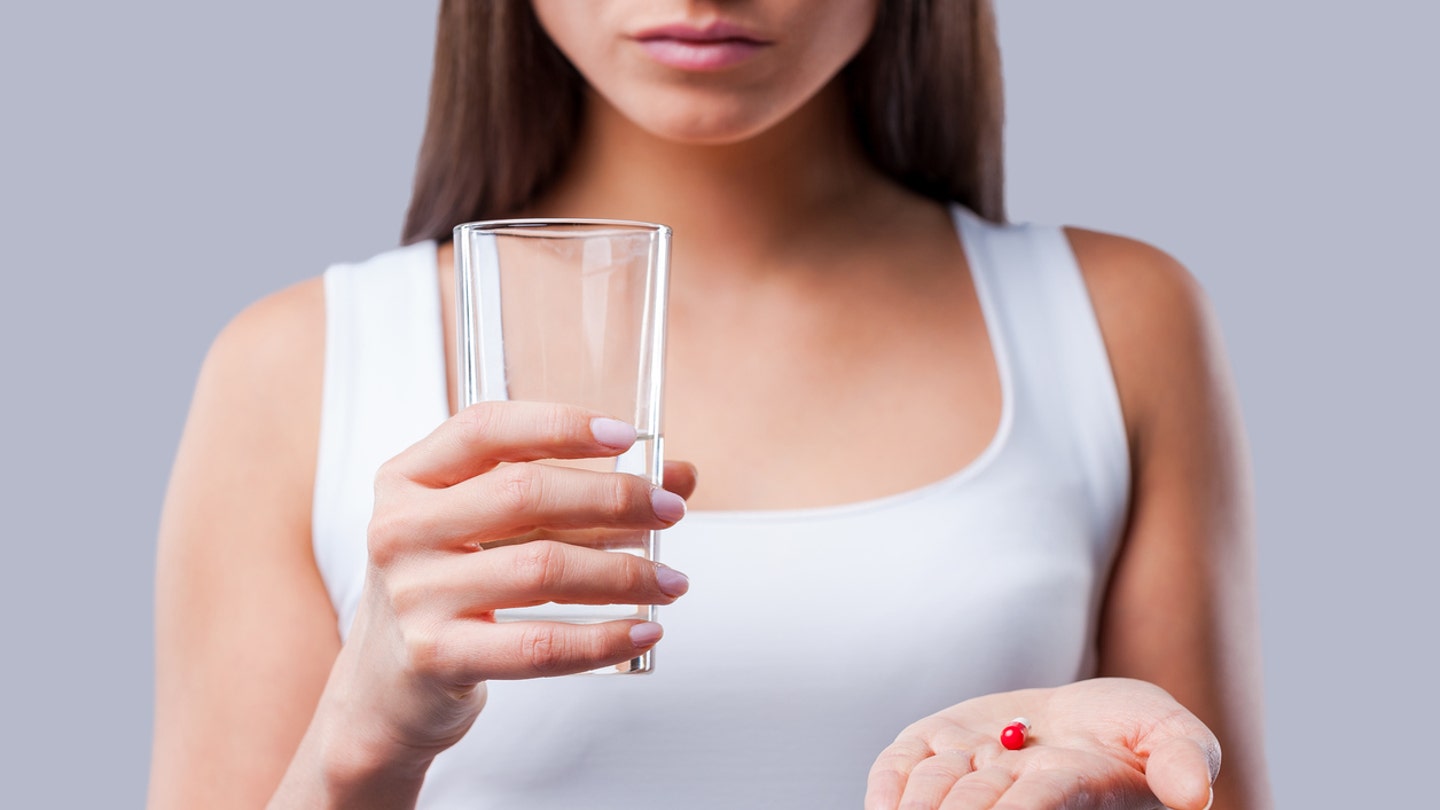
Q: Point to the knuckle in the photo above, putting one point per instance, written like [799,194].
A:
[557,426]
[481,420]
[388,476]
[543,649]
[517,488]
[398,528]
[385,538]
[622,497]
[540,565]
[405,595]
[639,574]
[424,653]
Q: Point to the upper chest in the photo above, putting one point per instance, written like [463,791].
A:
[867,373]
[797,398]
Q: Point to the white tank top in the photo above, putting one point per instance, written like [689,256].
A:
[809,637]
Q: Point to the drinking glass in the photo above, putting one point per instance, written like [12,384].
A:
[571,311]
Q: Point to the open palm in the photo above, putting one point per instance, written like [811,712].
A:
[1106,744]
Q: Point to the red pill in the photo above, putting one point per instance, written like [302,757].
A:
[1013,735]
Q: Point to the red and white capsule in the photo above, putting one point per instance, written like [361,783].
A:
[1013,736]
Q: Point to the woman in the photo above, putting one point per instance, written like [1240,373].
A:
[851,326]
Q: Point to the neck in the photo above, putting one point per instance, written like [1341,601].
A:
[743,201]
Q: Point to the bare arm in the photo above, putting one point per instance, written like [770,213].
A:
[257,700]
[1181,607]
[1179,611]
[245,635]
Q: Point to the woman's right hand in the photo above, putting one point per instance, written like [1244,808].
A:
[410,679]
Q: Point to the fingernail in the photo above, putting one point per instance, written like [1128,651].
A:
[672,582]
[645,633]
[1212,799]
[612,432]
[668,506]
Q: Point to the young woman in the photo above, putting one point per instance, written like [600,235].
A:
[953,470]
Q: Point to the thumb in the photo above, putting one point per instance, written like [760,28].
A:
[1179,773]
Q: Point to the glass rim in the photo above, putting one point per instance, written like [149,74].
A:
[557,227]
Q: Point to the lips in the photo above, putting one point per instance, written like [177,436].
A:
[716,46]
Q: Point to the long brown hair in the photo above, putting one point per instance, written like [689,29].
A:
[506,108]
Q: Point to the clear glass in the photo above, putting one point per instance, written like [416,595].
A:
[570,311]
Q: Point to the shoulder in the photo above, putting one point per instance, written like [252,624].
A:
[247,453]
[1156,320]
[279,338]
[261,383]
[1135,283]
[297,311]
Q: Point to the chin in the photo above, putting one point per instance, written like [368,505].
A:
[701,130]
[690,118]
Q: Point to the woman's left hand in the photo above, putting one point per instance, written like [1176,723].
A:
[1106,744]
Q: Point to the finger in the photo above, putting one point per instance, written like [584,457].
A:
[520,498]
[477,651]
[477,438]
[547,571]
[1058,789]
[886,783]
[680,478]
[1180,772]
[934,777]
[979,790]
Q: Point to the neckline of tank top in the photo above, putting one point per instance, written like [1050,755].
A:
[967,225]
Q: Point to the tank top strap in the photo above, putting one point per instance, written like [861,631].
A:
[384,389]
[1053,359]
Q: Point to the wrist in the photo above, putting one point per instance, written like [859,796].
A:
[355,774]
[331,770]
[354,781]
[359,764]
[355,749]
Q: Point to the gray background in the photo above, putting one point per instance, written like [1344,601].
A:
[164,163]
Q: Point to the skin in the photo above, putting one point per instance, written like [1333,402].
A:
[774,287]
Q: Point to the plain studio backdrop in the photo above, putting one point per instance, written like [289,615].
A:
[164,163]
